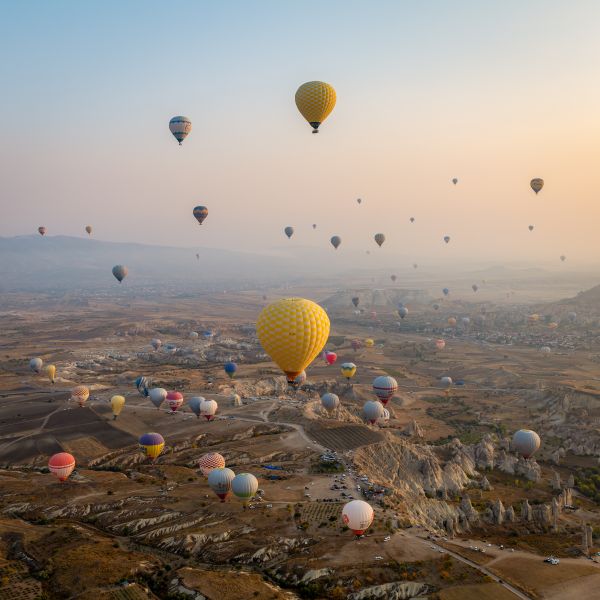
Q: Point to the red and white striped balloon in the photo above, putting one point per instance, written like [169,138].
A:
[210,461]
[61,465]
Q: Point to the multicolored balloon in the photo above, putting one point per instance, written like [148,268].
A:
[61,465]
[152,444]
[348,370]
[210,461]
[244,486]
[142,384]
[208,409]
[357,515]
[174,401]
[200,214]
[219,481]
[384,388]
[80,394]
[180,127]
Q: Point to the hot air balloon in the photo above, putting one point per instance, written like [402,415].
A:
[385,387]
[219,481]
[533,318]
[314,225]
[563,258]
[200,213]
[180,127]
[436,307]
[536,184]
[210,461]
[330,401]
[174,400]
[348,370]
[454,180]
[236,399]
[289,231]
[531,228]
[552,325]
[195,404]
[415,265]
[440,344]
[393,277]
[88,229]
[157,396]
[356,345]
[359,200]
[208,409]
[474,287]
[372,411]
[336,240]
[451,321]
[299,380]
[230,368]
[293,331]
[402,312]
[244,486]
[526,442]
[379,238]
[51,372]
[156,343]
[446,382]
[35,364]
[446,291]
[197,256]
[572,316]
[120,272]
[194,335]
[152,444]
[117,403]
[545,350]
[465,321]
[42,230]
[330,357]
[369,343]
[61,465]
[357,515]
[315,101]
[80,394]
[412,219]
[355,301]
[142,384]
[446,238]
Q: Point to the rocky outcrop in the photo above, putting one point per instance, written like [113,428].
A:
[392,591]
[485,485]
[466,508]
[526,512]
[509,515]
[556,482]
[498,512]
[313,574]
[484,453]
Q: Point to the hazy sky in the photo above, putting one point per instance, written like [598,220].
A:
[493,93]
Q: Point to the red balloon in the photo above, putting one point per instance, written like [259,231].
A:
[61,465]
[330,357]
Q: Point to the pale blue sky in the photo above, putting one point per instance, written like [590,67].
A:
[494,93]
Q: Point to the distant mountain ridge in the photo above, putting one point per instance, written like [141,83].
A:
[62,262]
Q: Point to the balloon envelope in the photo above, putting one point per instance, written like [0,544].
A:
[80,394]
[537,183]
[142,384]
[157,396]
[200,213]
[210,461]
[348,370]
[35,364]
[42,230]
[61,465]
[117,403]
[289,231]
[372,411]
[230,368]
[385,387]
[174,400]
[330,401]
[180,127]
[379,238]
[219,481]
[293,331]
[51,372]
[120,272]
[315,101]
[336,240]
[526,442]
[88,229]
[357,515]
[152,444]
[244,486]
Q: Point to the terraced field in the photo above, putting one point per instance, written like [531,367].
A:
[346,437]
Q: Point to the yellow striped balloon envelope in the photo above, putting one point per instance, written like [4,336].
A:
[152,444]
[293,331]
[315,101]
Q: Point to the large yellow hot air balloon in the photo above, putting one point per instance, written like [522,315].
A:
[117,403]
[315,101]
[51,372]
[293,331]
